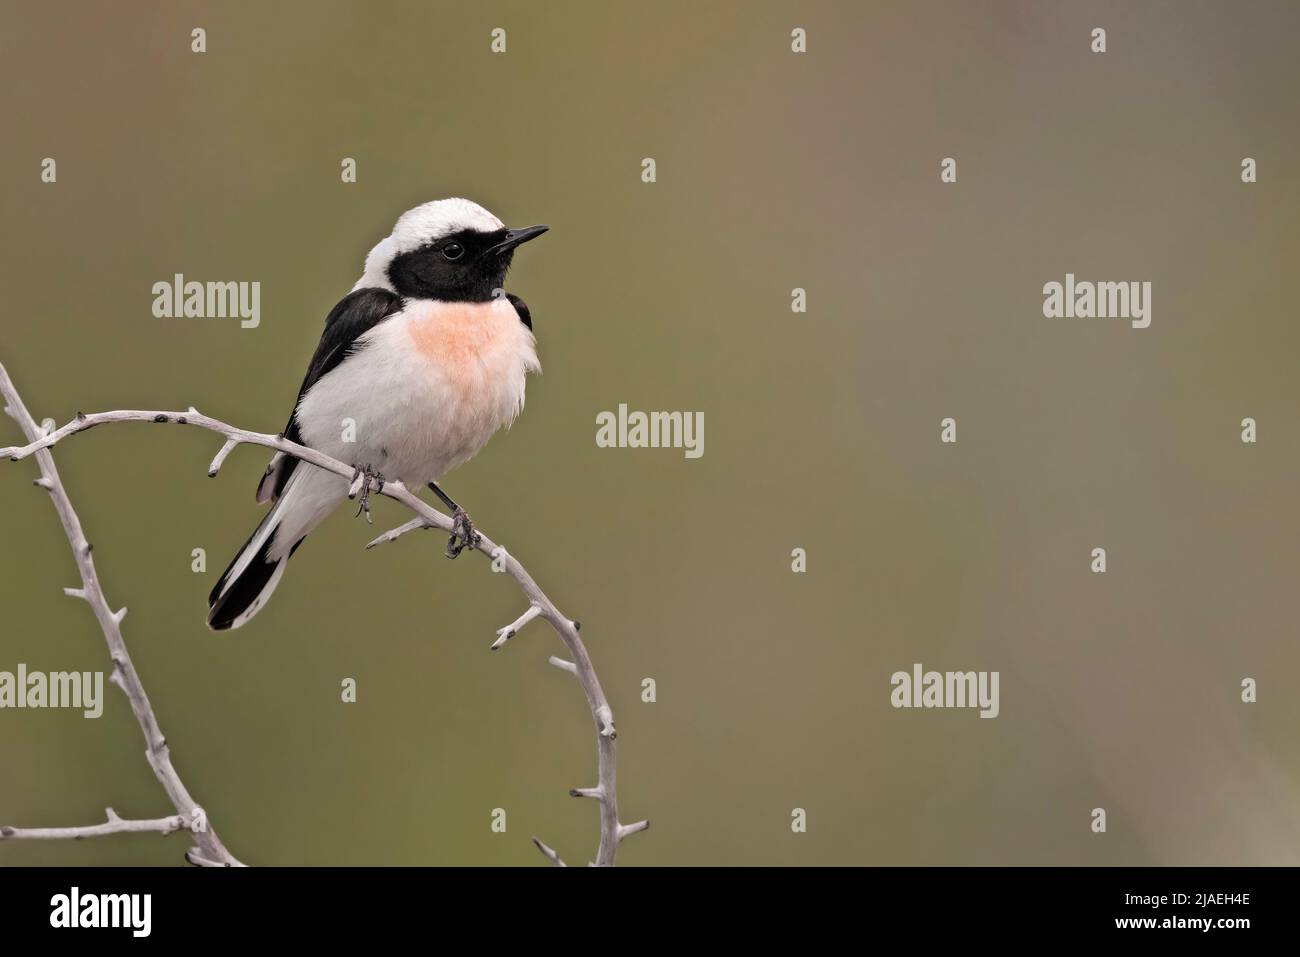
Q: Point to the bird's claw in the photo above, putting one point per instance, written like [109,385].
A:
[371,481]
[463,535]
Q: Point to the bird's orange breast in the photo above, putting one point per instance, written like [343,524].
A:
[466,341]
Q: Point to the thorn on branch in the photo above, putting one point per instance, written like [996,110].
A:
[550,854]
[193,856]
[220,458]
[563,665]
[76,593]
[606,718]
[512,629]
[597,792]
[627,830]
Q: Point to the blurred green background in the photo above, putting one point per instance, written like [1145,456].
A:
[775,171]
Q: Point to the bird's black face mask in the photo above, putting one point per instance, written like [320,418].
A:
[467,266]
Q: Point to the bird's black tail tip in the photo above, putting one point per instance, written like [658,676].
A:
[231,605]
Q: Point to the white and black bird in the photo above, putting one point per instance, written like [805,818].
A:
[417,368]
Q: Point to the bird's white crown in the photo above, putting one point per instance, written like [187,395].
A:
[424,224]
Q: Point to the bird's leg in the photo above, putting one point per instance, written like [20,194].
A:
[463,535]
[371,480]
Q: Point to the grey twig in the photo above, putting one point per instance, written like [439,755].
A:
[612,831]
[208,845]
[114,825]
[549,853]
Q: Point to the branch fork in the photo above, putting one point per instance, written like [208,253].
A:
[209,850]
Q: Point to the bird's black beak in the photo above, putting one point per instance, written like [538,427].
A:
[515,237]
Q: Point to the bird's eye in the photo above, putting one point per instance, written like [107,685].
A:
[453,251]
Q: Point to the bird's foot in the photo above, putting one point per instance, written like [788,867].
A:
[463,535]
[365,480]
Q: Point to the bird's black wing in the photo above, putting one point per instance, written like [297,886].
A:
[356,314]
[521,307]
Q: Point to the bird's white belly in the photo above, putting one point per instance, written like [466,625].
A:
[424,391]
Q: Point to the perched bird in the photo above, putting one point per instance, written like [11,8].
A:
[417,368]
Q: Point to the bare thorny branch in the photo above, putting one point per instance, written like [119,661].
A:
[209,850]
[189,816]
